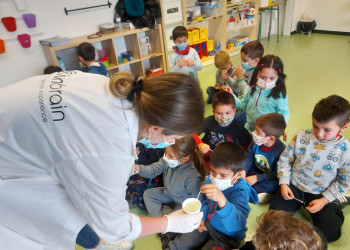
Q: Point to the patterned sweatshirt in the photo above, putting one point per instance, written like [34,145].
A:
[315,167]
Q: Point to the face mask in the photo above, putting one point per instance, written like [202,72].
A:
[224,122]
[266,85]
[162,144]
[182,46]
[223,184]
[245,66]
[171,163]
[257,139]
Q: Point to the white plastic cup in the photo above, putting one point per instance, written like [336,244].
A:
[191,206]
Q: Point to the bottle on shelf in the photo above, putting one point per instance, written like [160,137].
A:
[118,21]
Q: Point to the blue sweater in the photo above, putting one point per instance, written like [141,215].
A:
[262,163]
[260,104]
[101,70]
[231,220]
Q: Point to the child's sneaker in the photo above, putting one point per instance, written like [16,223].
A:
[110,245]
[342,201]
[166,238]
[264,197]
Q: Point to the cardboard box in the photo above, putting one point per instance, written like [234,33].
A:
[154,72]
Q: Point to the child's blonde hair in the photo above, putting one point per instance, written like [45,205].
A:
[186,146]
[221,59]
[279,230]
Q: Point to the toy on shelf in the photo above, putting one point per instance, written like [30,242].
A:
[154,71]
[125,57]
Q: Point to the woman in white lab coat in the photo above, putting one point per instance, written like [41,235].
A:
[67,148]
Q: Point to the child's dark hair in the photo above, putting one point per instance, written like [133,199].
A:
[186,146]
[223,98]
[333,107]
[272,124]
[179,31]
[280,230]
[228,155]
[86,51]
[51,69]
[253,49]
[271,61]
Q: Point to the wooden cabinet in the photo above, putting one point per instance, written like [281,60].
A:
[115,45]
[217,25]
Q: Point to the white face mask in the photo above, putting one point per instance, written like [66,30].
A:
[171,163]
[223,184]
[266,85]
[257,139]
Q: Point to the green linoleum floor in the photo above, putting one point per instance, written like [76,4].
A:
[316,66]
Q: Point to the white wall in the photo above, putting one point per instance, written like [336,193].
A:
[329,15]
[18,63]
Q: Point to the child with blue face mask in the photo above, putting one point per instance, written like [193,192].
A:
[184,59]
[183,171]
[225,206]
[266,92]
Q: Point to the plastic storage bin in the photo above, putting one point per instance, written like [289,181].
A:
[210,10]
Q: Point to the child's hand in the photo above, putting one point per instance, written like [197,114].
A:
[224,74]
[317,205]
[203,148]
[136,169]
[243,174]
[285,136]
[190,63]
[252,179]
[239,72]
[182,62]
[201,227]
[286,192]
[227,89]
[213,193]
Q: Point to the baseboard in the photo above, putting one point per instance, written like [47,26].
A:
[330,32]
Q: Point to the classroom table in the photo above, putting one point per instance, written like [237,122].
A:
[271,8]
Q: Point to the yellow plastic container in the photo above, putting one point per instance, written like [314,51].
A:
[190,38]
[210,45]
[203,33]
[195,35]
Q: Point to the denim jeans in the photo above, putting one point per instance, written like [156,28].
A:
[87,237]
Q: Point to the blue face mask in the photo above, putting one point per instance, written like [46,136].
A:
[162,144]
[246,67]
[182,46]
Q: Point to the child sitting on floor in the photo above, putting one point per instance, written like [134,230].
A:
[314,170]
[263,155]
[225,207]
[280,230]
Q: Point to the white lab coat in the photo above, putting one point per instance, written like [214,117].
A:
[67,149]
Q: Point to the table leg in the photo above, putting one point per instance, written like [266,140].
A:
[268,36]
[259,31]
[278,23]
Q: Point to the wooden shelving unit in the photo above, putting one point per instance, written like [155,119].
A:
[114,44]
[216,25]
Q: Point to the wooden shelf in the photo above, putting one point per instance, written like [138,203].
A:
[205,19]
[236,5]
[114,43]
[242,28]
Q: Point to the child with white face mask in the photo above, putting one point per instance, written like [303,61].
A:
[225,206]
[183,171]
[266,92]
[263,155]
